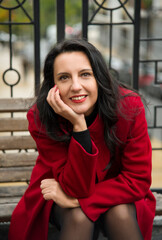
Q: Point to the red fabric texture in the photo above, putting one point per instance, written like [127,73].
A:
[127,181]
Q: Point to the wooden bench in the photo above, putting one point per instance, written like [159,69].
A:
[17,153]
[17,157]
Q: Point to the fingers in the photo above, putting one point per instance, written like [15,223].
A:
[47,182]
[54,100]
[48,188]
[51,97]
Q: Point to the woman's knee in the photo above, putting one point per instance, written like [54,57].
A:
[77,216]
[120,222]
[122,212]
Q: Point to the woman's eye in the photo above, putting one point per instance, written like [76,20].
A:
[64,77]
[86,74]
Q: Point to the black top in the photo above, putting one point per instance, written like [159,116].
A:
[83,137]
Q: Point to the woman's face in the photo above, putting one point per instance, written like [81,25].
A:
[74,78]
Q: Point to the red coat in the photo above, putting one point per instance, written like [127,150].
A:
[127,181]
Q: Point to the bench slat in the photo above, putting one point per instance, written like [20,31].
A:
[18,159]
[13,124]
[15,104]
[158,197]
[17,142]
[11,191]
[7,209]
[17,174]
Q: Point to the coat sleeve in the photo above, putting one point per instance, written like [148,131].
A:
[72,166]
[134,179]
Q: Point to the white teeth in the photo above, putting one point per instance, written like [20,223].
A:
[78,98]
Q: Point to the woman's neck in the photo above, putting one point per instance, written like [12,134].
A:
[89,119]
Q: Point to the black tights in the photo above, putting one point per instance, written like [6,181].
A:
[119,222]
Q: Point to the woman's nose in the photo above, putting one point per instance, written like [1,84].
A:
[76,85]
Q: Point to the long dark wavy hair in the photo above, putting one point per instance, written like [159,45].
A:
[108,93]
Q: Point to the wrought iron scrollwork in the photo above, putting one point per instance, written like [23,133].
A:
[11,6]
[110,10]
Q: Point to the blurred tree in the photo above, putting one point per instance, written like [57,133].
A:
[47,14]
[73,11]
[146,4]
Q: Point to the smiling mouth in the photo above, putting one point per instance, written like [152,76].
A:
[78,98]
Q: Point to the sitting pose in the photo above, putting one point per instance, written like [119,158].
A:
[93,170]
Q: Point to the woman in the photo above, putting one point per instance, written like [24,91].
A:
[94,165]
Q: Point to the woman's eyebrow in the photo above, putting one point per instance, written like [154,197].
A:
[86,69]
[61,73]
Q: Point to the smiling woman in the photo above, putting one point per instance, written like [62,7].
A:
[93,170]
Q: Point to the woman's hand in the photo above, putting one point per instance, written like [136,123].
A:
[52,190]
[62,109]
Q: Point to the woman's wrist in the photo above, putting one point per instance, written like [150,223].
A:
[75,203]
[80,125]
